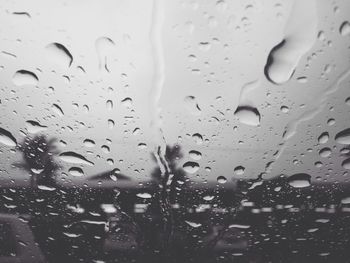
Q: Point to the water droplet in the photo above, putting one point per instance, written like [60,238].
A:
[191,167]
[325,152]
[239,226]
[204,46]
[195,155]
[76,171]
[37,171]
[345,200]
[46,188]
[192,106]
[221,179]
[248,115]
[25,77]
[142,145]
[74,158]
[193,224]
[331,122]
[144,195]
[104,47]
[109,104]
[300,35]
[343,137]
[89,143]
[208,197]
[344,29]
[197,138]
[24,14]
[346,164]
[57,109]
[239,170]
[127,103]
[300,180]
[35,127]
[111,124]
[323,138]
[7,138]
[284,109]
[59,55]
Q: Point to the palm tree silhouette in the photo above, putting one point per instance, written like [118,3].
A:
[169,185]
[37,153]
[177,176]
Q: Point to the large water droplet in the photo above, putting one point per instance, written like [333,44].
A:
[191,167]
[25,77]
[7,138]
[76,171]
[35,127]
[300,180]
[74,158]
[57,109]
[248,115]
[195,155]
[300,35]
[344,29]
[59,55]
[346,164]
[343,137]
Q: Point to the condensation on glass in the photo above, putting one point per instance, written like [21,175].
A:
[179,131]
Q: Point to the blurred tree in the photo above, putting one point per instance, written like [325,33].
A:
[177,176]
[37,153]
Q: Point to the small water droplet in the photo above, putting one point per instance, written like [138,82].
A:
[193,224]
[239,170]
[127,103]
[192,106]
[109,104]
[323,138]
[144,195]
[221,179]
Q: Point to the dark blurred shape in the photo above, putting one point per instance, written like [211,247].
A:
[109,175]
[37,153]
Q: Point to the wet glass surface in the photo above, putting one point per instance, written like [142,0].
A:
[174,131]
